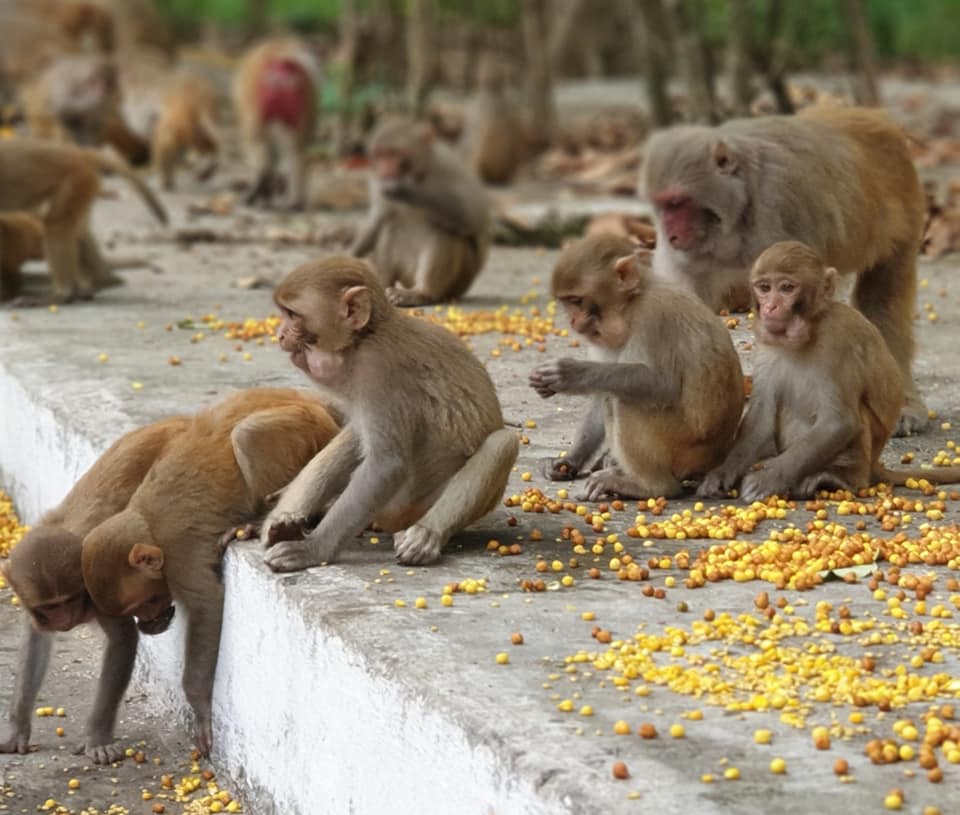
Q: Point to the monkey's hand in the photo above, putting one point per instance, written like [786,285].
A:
[758,484]
[718,482]
[555,377]
[296,555]
[100,750]
[203,734]
[14,739]
[282,526]
[417,546]
[562,468]
[243,533]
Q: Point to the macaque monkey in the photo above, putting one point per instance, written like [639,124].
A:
[186,122]
[165,545]
[840,180]
[664,376]
[88,26]
[275,95]
[21,239]
[77,98]
[424,452]
[827,391]
[428,230]
[66,181]
[493,132]
[44,571]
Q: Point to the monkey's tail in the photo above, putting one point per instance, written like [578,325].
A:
[899,478]
[114,165]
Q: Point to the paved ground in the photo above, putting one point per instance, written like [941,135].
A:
[665,664]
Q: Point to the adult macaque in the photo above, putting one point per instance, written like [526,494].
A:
[66,181]
[186,123]
[164,546]
[838,179]
[424,453]
[428,230]
[77,98]
[664,376]
[826,390]
[493,132]
[275,94]
[44,571]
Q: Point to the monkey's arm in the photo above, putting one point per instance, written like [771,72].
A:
[448,208]
[755,441]
[372,485]
[587,441]
[115,671]
[34,657]
[366,239]
[835,427]
[204,618]
[625,380]
[325,476]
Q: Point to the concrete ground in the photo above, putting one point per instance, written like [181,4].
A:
[337,694]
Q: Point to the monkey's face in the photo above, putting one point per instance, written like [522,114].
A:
[781,307]
[61,613]
[600,323]
[686,225]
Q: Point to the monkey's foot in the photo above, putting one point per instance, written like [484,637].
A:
[759,484]
[716,484]
[812,484]
[243,533]
[614,481]
[293,556]
[410,297]
[203,735]
[913,418]
[101,752]
[418,546]
[560,469]
[282,526]
[16,741]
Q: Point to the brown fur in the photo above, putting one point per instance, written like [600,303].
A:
[665,377]
[21,239]
[164,546]
[186,123]
[44,571]
[838,179]
[65,180]
[428,231]
[493,132]
[826,389]
[424,452]
[271,143]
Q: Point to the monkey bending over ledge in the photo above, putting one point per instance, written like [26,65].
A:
[664,377]
[826,394]
[840,180]
[424,452]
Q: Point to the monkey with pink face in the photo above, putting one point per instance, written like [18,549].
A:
[840,180]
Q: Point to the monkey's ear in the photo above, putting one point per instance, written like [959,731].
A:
[146,558]
[355,307]
[829,282]
[723,158]
[628,272]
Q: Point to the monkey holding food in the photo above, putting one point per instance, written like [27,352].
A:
[840,180]
[664,377]
[826,390]
[44,571]
[428,231]
[424,452]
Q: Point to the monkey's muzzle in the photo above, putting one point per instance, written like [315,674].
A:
[159,623]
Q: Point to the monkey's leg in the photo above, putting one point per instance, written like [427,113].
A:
[34,658]
[294,158]
[204,617]
[94,264]
[656,481]
[115,671]
[886,295]
[65,220]
[590,435]
[471,493]
[440,267]
[261,153]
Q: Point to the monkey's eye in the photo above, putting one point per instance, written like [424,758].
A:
[763,287]
[788,288]
[576,302]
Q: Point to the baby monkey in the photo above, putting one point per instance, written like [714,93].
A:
[827,390]
[424,452]
[663,373]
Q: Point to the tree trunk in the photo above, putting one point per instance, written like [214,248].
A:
[543,114]
[256,18]
[654,41]
[348,53]
[770,55]
[691,53]
[420,63]
[866,90]
[739,62]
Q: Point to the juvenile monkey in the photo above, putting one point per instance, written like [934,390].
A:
[275,94]
[826,390]
[164,546]
[838,179]
[428,231]
[44,571]
[493,132]
[424,452]
[65,180]
[664,376]
[186,122]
